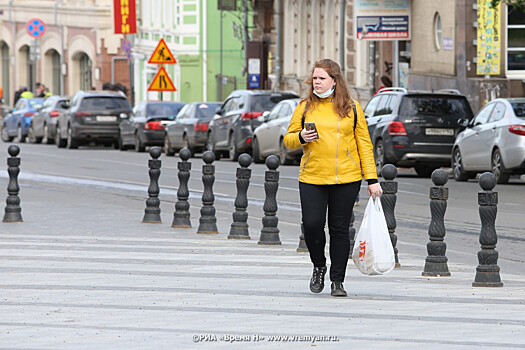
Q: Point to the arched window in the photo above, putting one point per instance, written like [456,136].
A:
[86,80]
[438,31]
[4,50]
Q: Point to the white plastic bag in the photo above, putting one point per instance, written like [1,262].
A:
[373,253]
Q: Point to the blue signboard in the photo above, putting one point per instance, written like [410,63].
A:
[254,81]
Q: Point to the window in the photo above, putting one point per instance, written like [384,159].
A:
[286,111]
[371,106]
[497,113]
[483,115]
[384,106]
[519,109]
[438,31]
[274,113]
[515,39]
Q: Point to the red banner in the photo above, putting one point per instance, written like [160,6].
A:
[125,16]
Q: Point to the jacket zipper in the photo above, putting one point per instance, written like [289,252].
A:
[306,161]
[348,154]
[337,148]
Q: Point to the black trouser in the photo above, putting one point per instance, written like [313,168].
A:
[339,199]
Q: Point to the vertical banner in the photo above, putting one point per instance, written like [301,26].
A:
[125,16]
[489,39]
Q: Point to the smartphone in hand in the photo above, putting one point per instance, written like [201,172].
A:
[311,126]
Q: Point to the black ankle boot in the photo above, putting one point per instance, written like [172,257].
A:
[317,281]
[338,290]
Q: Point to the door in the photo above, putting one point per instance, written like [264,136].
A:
[488,134]
[127,128]
[472,145]
[181,124]
[264,137]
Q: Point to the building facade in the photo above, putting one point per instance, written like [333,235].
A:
[78,51]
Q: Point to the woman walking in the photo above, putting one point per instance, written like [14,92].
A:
[337,151]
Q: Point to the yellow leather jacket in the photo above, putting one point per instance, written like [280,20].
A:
[339,155]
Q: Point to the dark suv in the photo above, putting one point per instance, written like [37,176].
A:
[93,116]
[415,129]
[231,129]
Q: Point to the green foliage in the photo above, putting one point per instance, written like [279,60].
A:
[517,4]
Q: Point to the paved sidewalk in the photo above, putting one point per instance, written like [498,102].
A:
[83,272]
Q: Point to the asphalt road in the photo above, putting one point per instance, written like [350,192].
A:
[126,173]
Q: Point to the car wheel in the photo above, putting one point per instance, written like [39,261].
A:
[31,135]
[5,135]
[210,146]
[498,169]
[282,154]
[233,151]
[256,155]
[424,171]
[139,147]
[379,154]
[71,142]
[457,166]
[167,147]
[20,135]
[59,141]
[186,144]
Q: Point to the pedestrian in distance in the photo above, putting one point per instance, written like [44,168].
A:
[27,93]
[337,151]
[385,83]
[18,92]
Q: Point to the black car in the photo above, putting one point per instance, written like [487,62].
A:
[231,129]
[43,123]
[415,129]
[190,128]
[93,116]
[146,126]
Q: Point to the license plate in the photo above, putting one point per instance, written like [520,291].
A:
[439,132]
[105,118]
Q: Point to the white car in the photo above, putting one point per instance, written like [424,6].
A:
[493,141]
[268,137]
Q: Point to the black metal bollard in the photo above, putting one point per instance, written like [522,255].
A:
[152,211]
[487,272]
[388,201]
[239,227]
[270,232]
[436,261]
[208,221]
[181,217]
[13,212]
[302,248]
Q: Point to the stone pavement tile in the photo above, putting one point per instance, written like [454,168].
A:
[97,278]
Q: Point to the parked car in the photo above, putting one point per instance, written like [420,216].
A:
[231,129]
[43,123]
[93,116]
[16,123]
[190,127]
[493,141]
[268,137]
[146,126]
[415,129]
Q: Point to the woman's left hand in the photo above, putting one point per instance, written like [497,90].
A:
[374,190]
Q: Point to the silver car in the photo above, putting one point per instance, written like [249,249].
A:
[268,137]
[493,141]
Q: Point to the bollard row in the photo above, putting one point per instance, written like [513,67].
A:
[487,272]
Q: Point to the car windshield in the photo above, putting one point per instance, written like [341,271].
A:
[206,110]
[434,105]
[164,109]
[261,103]
[519,109]
[103,103]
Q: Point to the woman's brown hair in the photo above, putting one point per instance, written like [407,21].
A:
[341,96]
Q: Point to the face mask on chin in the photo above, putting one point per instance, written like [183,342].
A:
[325,94]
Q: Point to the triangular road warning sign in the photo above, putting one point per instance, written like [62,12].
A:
[161,82]
[162,54]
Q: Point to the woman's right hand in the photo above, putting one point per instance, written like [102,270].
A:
[309,135]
